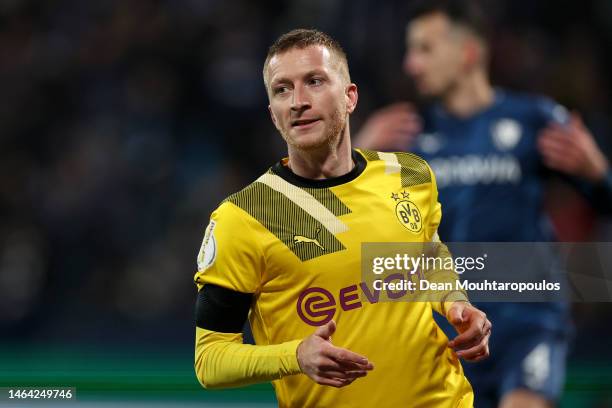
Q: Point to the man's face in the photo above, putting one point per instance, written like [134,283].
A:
[434,54]
[310,98]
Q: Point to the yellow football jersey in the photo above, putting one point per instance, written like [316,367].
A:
[295,244]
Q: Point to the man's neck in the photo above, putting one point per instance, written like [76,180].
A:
[471,95]
[327,162]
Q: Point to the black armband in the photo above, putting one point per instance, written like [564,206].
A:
[222,310]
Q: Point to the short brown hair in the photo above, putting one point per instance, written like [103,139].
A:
[467,13]
[302,38]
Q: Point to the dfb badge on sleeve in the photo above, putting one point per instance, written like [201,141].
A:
[208,250]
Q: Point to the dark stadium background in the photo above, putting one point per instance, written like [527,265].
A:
[124,123]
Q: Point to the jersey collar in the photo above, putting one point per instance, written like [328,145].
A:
[289,176]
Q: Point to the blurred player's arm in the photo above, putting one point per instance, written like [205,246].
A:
[571,149]
[392,128]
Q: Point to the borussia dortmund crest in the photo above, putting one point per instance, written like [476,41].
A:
[407,212]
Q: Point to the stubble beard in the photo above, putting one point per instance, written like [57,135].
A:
[333,134]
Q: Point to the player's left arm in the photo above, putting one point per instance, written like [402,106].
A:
[472,325]
[435,248]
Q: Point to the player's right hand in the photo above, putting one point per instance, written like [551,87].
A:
[392,128]
[327,364]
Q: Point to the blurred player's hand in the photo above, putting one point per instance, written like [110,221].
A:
[327,364]
[392,128]
[572,150]
[472,343]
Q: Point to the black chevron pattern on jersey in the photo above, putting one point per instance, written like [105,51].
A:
[414,170]
[326,197]
[286,220]
[369,155]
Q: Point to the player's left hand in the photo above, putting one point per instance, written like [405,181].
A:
[572,149]
[472,343]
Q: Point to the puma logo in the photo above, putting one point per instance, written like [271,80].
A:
[301,238]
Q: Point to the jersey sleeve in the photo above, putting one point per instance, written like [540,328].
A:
[222,361]
[230,255]
[548,111]
[230,261]
[435,209]
[436,248]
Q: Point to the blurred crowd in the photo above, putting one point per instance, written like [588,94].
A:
[123,124]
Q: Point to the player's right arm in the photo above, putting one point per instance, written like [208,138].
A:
[230,264]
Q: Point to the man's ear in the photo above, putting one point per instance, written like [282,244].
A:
[273,118]
[351,98]
[473,53]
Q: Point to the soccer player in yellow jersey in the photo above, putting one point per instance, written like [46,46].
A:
[285,252]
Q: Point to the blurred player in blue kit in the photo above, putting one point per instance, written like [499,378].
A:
[491,151]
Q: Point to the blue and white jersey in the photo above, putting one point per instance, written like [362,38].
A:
[488,169]
[491,184]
